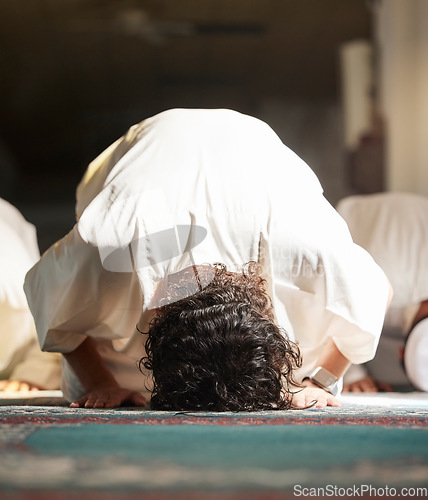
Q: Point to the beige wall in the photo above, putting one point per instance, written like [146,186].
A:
[402,33]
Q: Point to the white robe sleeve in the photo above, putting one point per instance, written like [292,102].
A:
[72,296]
[325,285]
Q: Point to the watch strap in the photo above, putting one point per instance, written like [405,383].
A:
[324,379]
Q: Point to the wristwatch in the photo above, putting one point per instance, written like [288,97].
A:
[324,379]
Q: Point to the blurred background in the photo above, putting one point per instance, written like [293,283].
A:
[343,83]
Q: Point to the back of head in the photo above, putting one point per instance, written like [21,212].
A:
[220,349]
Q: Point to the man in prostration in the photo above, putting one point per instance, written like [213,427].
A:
[393,228]
[202,230]
[23,366]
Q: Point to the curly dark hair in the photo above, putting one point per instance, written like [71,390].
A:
[220,349]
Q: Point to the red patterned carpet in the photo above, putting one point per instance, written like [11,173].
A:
[369,447]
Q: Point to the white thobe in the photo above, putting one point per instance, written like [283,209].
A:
[194,187]
[20,355]
[393,228]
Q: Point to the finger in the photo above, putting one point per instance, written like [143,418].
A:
[385,387]
[27,386]
[79,403]
[95,402]
[11,386]
[332,401]
[368,385]
[113,400]
[298,401]
[322,401]
[23,387]
[303,400]
[98,403]
[111,403]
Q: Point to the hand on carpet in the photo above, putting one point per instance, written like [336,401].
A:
[17,386]
[312,396]
[367,384]
[109,398]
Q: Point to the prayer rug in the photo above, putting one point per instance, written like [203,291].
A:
[371,446]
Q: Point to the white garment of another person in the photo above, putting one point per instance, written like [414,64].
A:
[194,187]
[393,228]
[20,356]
